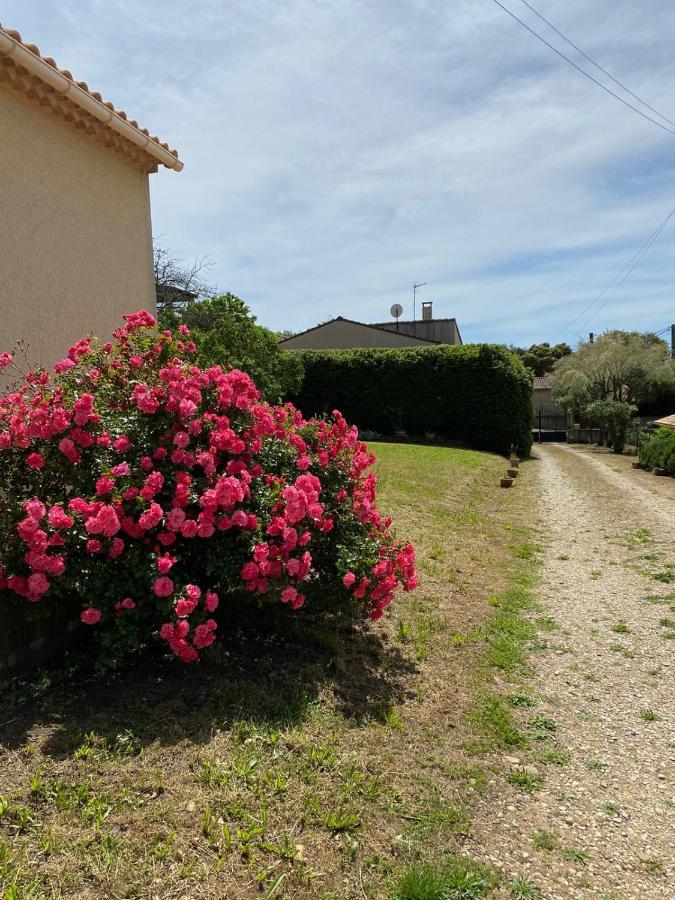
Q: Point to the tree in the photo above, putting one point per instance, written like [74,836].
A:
[225,331]
[178,283]
[621,365]
[540,358]
[613,417]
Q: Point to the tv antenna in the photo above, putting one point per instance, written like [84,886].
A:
[396,311]
[414,286]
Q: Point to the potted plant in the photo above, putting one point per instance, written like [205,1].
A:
[514,460]
[506,482]
[512,472]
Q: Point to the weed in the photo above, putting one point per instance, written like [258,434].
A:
[611,809]
[403,631]
[666,577]
[340,819]
[667,623]
[596,765]
[526,781]
[621,628]
[522,701]
[525,551]
[455,879]
[655,866]
[542,727]
[544,840]
[575,856]
[648,715]
[555,757]
[624,651]
[523,889]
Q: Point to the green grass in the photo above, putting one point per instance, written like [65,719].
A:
[455,879]
[526,781]
[349,752]
[271,761]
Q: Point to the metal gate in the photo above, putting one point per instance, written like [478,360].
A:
[549,425]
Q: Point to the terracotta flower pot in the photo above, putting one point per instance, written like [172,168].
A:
[657,471]
[636,464]
[514,462]
[512,473]
[506,482]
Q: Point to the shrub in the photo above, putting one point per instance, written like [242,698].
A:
[658,451]
[154,490]
[223,328]
[613,417]
[479,395]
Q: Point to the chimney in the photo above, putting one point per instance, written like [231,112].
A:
[427,311]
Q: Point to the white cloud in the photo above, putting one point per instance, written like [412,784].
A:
[336,151]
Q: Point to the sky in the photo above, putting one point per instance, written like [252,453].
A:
[337,150]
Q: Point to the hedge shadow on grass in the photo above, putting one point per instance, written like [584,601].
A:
[273,681]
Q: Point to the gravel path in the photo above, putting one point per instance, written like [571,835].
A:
[602,823]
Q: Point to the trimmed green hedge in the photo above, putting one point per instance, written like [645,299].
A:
[658,452]
[478,394]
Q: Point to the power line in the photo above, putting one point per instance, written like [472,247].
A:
[597,65]
[634,257]
[636,260]
[583,71]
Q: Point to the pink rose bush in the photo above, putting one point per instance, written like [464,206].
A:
[158,492]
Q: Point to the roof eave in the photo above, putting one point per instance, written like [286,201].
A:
[36,65]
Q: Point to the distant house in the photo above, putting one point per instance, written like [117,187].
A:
[346,334]
[542,397]
[666,422]
[75,230]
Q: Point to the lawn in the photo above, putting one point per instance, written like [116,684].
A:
[314,764]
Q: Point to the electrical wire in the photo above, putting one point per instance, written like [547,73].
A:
[583,71]
[637,258]
[634,257]
[597,65]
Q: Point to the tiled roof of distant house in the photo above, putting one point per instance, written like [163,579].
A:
[543,382]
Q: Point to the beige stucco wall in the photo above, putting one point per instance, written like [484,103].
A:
[342,335]
[542,399]
[75,232]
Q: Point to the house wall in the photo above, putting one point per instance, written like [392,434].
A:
[75,232]
[543,399]
[342,335]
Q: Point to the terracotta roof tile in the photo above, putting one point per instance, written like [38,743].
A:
[95,95]
[543,382]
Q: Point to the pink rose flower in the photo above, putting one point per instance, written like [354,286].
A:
[90,616]
[349,579]
[162,587]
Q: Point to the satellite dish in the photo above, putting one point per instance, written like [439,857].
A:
[396,310]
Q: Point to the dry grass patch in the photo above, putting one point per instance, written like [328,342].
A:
[312,762]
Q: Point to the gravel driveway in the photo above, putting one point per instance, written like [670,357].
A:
[602,823]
